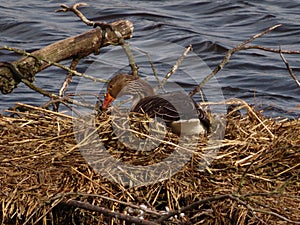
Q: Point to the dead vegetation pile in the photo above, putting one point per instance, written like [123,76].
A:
[45,178]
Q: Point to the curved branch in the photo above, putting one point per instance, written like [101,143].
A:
[227,57]
[65,8]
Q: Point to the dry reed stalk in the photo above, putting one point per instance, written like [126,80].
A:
[258,159]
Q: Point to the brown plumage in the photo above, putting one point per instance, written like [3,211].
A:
[180,112]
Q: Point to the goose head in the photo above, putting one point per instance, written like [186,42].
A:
[125,84]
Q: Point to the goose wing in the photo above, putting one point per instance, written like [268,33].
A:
[171,107]
[157,106]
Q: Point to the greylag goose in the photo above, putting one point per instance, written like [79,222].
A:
[178,110]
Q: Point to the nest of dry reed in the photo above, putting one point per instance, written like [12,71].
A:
[46,179]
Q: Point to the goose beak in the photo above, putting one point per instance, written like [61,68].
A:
[107,100]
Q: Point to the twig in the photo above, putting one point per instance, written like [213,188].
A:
[249,109]
[45,110]
[179,61]
[65,8]
[175,67]
[270,49]
[192,206]
[289,68]
[66,83]
[54,204]
[227,57]
[20,77]
[51,95]
[107,212]
[286,183]
[106,198]
[276,215]
[253,210]
[243,177]
[151,63]
[125,45]
[68,78]
[74,9]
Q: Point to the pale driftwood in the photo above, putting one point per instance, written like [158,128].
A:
[77,46]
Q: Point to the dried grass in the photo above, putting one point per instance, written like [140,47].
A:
[41,168]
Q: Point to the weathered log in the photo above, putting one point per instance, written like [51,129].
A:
[77,46]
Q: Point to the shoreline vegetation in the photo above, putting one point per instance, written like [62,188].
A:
[254,179]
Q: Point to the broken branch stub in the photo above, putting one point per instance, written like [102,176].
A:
[77,46]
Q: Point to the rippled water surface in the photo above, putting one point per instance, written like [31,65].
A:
[212,27]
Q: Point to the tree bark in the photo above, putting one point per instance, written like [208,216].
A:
[77,46]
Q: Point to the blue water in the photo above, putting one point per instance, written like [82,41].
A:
[212,27]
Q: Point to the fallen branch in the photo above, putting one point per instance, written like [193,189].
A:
[107,212]
[77,46]
[103,25]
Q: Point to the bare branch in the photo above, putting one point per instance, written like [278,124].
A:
[227,57]
[289,68]
[270,49]
[107,212]
[257,36]
[74,9]
[176,66]
[68,78]
[151,63]
[178,62]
